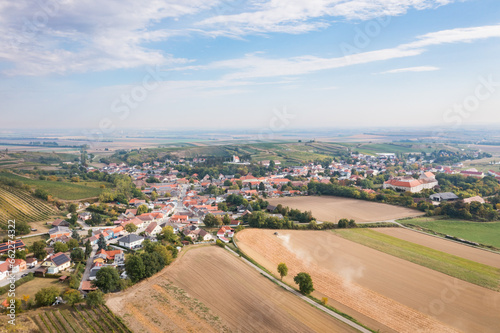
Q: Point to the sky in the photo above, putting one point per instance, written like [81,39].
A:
[273,65]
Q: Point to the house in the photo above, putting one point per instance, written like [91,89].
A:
[445,196]
[62,239]
[57,263]
[131,241]
[87,286]
[107,255]
[152,230]
[17,265]
[18,244]
[85,216]
[234,223]
[60,223]
[31,262]
[59,231]
[4,269]
[410,184]
[136,202]
[225,231]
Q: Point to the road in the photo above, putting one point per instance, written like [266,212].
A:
[305,298]
[88,266]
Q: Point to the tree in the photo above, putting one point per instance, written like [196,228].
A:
[130,228]
[262,187]
[88,249]
[107,279]
[211,220]
[42,194]
[95,298]
[134,266]
[60,247]
[22,228]
[72,243]
[142,209]
[39,250]
[20,254]
[77,255]
[282,269]
[73,297]
[154,196]
[226,220]
[72,208]
[305,283]
[46,296]
[101,243]
[167,233]
[75,235]
[343,223]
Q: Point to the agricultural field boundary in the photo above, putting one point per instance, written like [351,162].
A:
[303,297]
[455,266]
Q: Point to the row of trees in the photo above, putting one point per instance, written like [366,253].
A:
[303,279]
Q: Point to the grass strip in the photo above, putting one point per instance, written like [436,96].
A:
[59,321]
[85,319]
[44,322]
[460,268]
[51,321]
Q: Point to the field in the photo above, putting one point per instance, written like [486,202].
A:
[32,287]
[481,232]
[460,268]
[477,255]
[67,319]
[395,294]
[332,209]
[61,190]
[219,293]
[22,206]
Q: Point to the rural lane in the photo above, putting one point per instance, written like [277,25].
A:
[305,298]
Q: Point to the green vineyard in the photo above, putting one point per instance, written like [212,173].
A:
[79,319]
[21,206]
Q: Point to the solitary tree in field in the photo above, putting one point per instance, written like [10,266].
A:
[305,283]
[283,270]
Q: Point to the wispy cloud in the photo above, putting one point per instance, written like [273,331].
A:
[255,65]
[411,69]
[299,16]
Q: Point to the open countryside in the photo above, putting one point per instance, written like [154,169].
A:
[331,209]
[397,294]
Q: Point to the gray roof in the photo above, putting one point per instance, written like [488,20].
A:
[130,238]
[59,259]
[444,196]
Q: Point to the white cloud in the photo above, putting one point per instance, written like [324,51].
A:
[257,66]
[61,36]
[411,69]
[299,16]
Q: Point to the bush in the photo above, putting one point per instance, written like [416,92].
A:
[220,243]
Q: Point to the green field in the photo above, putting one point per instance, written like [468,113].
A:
[460,268]
[61,190]
[486,233]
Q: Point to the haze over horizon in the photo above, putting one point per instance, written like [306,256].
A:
[239,65]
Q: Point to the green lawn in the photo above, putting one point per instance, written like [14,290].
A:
[486,233]
[61,190]
[460,268]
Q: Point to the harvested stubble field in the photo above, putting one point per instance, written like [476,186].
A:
[395,294]
[332,209]
[478,255]
[220,293]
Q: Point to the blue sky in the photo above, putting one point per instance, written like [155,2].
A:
[232,64]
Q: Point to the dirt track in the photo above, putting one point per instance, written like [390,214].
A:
[241,297]
[397,294]
[467,252]
[332,209]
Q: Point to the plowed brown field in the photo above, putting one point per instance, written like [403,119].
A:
[332,209]
[244,300]
[395,293]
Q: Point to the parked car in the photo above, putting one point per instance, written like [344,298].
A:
[25,274]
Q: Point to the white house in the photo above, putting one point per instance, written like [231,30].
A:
[131,241]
